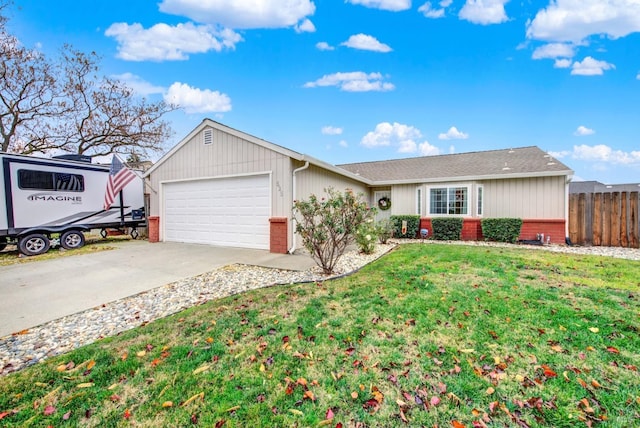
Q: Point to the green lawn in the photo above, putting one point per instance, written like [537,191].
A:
[429,335]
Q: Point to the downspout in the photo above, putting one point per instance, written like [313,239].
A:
[293,220]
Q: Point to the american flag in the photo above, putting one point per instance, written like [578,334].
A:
[119,176]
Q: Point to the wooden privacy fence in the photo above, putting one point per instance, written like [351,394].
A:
[604,219]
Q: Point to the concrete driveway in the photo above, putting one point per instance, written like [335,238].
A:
[40,291]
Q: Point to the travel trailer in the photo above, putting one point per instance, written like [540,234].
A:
[45,197]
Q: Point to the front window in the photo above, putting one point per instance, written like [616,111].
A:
[449,201]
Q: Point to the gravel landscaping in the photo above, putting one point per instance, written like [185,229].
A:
[28,347]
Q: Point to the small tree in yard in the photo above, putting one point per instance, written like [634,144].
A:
[328,226]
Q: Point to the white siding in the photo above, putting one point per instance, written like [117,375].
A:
[315,180]
[527,198]
[228,155]
[403,199]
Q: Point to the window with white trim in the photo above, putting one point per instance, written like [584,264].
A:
[480,202]
[449,200]
[419,201]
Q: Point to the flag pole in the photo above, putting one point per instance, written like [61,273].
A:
[121,209]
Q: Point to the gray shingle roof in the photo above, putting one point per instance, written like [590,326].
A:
[517,162]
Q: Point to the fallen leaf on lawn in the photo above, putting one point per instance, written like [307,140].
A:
[84,385]
[49,410]
[66,416]
[127,414]
[490,391]
[209,340]
[202,368]
[434,401]
[354,395]
[232,409]
[61,367]
[329,415]
[564,374]
[594,329]
[582,382]
[468,351]
[456,424]
[167,404]
[562,328]
[296,412]
[557,348]
[595,384]
[309,395]
[190,399]
[590,348]
[612,350]
[302,381]
[113,386]
[141,353]
[548,372]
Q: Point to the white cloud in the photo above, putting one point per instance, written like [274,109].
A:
[356,81]
[242,14]
[484,12]
[429,11]
[392,5]
[403,137]
[164,42]
[195,100]
[324,46]
[453,134]
[575,20]
[604,153]
[561,154]
[305,26]
[331,130]
[139,85]
[638,76]
[427,149]
[366,42]
[562,63]
[590,67]
[554,50]
[581,131]
[343,143]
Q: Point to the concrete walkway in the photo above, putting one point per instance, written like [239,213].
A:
[36,292]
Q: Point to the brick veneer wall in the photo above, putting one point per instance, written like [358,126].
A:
[472,229]
[278,235]
[154,229]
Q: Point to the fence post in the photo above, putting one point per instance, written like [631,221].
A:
[597,219]
[573,218]
[606,219]
[615,219]
[624,207]
[634,239]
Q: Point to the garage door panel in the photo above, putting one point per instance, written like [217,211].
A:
[228,212]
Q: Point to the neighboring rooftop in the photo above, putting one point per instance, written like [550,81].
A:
[597,187]
[523,161]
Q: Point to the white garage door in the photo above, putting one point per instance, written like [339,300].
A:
[231,212]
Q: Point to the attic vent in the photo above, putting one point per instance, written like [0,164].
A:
[208,136]
[505,167]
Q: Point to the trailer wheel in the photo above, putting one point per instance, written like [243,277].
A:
[3,243]
[34,244]
[72,239]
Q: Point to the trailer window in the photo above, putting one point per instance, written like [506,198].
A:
[47,180]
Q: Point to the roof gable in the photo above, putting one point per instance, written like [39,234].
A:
[509,163]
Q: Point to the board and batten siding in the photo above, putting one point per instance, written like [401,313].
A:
[527,198]
[403,199]
[314,180]
[227,155]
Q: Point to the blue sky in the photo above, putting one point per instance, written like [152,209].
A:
[361,80]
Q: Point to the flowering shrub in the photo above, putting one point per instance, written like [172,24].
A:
[328,226]
[366,236]
[384,230]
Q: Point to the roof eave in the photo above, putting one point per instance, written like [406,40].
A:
[474,177]
[335,169]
